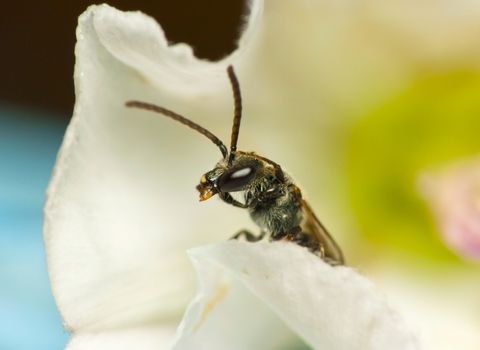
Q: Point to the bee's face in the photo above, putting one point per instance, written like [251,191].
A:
[228,178]
[207,186]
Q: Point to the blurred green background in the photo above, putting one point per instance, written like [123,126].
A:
[433,121]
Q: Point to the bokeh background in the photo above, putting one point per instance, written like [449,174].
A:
[411,231]
[36,102]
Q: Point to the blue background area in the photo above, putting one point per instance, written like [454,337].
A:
[28,146]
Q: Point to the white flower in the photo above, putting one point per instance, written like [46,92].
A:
[122,211]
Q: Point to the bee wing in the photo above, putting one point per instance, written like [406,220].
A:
[312,226]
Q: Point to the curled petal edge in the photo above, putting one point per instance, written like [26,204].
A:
[328,307]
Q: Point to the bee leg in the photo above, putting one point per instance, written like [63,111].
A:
[307,241]
[250,237]
[276,236]
[296,235]
[303,239]
[315,247]
[227,198]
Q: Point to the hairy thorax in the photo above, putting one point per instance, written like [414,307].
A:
[276,209]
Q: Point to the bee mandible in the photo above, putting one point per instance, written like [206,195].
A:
[273,200]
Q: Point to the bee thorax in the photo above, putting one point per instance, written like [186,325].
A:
[277,214]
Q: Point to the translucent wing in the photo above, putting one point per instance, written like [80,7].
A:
[329,249]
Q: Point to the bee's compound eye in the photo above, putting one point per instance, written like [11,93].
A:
[241,173]
[236,179]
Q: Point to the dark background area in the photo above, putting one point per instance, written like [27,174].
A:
[37,42]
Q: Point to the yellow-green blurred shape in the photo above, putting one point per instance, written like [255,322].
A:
[433,121]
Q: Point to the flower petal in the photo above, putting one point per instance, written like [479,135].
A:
[115,228]
[139,42]
[146,338]
[330,308]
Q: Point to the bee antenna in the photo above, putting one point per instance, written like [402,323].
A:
[181,119]
[237,115]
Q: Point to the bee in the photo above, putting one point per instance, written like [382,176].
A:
[274,201]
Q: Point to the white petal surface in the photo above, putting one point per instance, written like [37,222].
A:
[146,338]
[139,42]
[330,308]
[120,208]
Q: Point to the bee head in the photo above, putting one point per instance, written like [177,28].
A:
[229,177]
